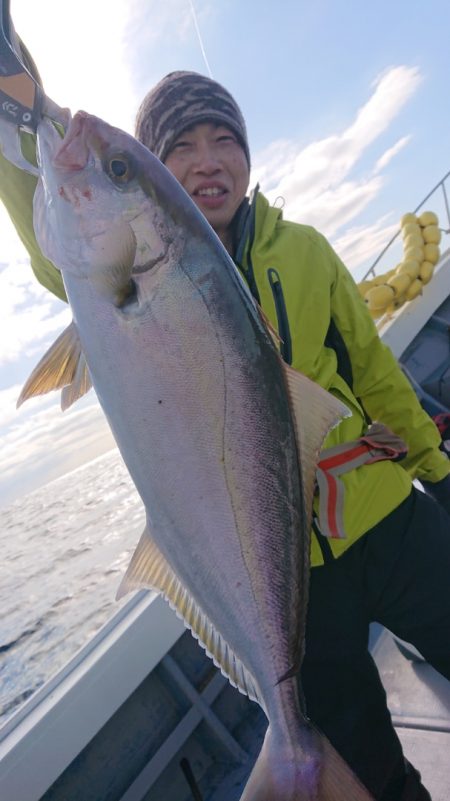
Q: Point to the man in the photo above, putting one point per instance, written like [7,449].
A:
[388,558]
[385,567]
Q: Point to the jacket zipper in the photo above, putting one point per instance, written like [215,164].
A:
[248,231]
[282,317]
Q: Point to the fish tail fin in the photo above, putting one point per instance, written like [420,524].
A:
[305,772]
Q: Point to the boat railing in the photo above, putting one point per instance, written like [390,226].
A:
[439,192]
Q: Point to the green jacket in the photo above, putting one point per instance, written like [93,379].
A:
[302,285]
[16,191]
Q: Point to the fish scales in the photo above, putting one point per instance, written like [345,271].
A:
[202,408]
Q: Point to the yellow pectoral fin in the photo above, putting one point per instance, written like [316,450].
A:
[315,413]
[62,367]
[115,252]
[149,569]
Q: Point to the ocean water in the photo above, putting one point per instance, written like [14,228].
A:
[64,549]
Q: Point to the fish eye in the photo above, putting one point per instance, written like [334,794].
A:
[119,168]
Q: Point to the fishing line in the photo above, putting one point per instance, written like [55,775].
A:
[199,36]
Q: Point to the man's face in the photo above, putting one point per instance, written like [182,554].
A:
[211,165]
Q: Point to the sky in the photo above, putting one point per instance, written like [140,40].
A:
[348,123]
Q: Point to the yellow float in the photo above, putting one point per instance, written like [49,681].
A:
[414,289]
[409,267]
[431,233]
[379,296]
[399,283]
[426,272]
[432,253]
[408,218]
[428,218]
[384,294]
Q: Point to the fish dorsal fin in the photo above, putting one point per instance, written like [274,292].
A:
[61,365]
[315,413]
[149,569]
[273,333]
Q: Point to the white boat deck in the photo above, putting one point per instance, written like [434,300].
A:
[419,701]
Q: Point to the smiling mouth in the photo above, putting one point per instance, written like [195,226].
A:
[213,191]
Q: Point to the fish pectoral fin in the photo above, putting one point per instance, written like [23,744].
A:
[315,413]
[115,255]
[149,569]
[63,365]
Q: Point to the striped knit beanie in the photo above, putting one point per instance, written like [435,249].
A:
[182,100]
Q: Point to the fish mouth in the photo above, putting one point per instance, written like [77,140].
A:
[73,153]
[65,151]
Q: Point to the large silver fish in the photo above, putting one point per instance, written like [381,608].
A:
[220,437]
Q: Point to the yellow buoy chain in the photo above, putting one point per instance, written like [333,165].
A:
[384,294]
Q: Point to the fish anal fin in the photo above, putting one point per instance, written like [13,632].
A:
[58,368]
[149,569]
[315,412]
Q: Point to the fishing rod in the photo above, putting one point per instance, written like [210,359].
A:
[23,101]
[21,96]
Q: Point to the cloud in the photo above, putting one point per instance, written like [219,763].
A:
[392,90]
[46,443]
[336,206]
[113,53]
[359,243]
[316,182]
[384,160]
[92,69]
[30,316]
[8,400]
[151,22]
[12,247]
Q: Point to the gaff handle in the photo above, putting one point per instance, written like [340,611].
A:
[20,96]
